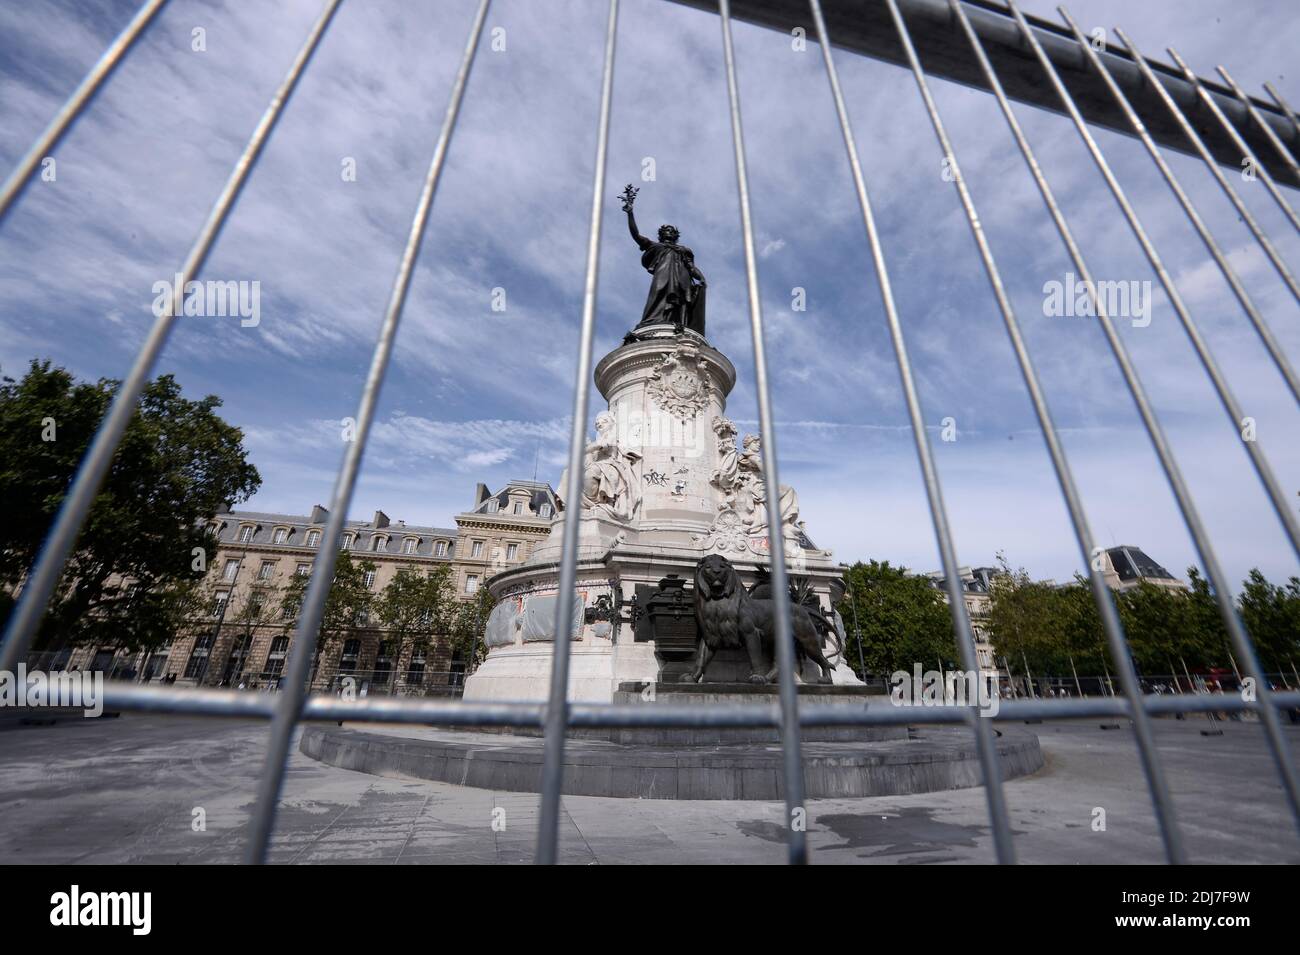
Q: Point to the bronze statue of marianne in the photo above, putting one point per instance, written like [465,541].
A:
[677,286]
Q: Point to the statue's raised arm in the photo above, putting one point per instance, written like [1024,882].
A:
[629,197]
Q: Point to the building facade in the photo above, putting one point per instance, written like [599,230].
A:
[243,638]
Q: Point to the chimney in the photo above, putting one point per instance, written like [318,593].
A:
[319,515]
[381,519]
[481,494]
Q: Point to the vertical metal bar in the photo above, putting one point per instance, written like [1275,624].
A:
[1237,141]
[557,708]
[36,592]
[1199,145]
[81,96]
[985,746]
[1283,106]
[1235,414]
[289,706]
[1256,319]
[1223,592]
[1263,124]
[791,745]
[1111,625]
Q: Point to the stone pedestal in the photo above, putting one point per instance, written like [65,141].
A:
[655,509]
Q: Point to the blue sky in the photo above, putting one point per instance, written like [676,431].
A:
[478,395]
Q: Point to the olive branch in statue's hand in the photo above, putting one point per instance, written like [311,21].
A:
[628,196]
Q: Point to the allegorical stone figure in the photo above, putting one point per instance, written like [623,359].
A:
[677,287]
[758,509]
[608,481]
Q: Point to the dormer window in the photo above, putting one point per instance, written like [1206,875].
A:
[519,507]
[345,541]
[409,545]
[246,533]
[281,535]
[378,543]
[493,505]
[440,549]
[545,511]
[313,538]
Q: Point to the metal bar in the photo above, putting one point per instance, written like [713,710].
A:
[1223,592]
[989,762]
[864,28]
[425,712]
[1199,145]
[71,110]
[62,536]
[290,704]
[1246,152]
[791,745]
[1283,106]
[1287,159]
[557,719]
[1256,319]
[1111,625]
[1235,413]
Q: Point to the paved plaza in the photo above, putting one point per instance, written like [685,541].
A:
[126,790]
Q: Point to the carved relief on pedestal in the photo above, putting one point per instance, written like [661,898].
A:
[679,385]
[744,515]
[609,484]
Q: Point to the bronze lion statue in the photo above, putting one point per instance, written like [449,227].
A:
[727,616]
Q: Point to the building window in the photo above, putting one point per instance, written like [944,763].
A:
[198,662]
[363,617]
[471,584]
[348,657]
[415,670]
[440,549]
[275,659]
[493,505]
[512,551]
[545,511]
[369,580]
[345,541]
[219,604]
[378,543]
[255,604]
[302,570]
[313,538]
[246,533]
[232,568]
[383,664]
[266,570]
[289,610]
[281,535]
[409,545]
[476,549]
[519,507]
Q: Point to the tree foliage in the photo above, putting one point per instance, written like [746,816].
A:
[145,542]
[901,620]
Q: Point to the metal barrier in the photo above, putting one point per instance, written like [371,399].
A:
[964,46]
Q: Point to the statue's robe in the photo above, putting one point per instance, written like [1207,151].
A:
[670,268]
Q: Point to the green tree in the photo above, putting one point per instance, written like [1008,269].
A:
[902,620]
[1272,618]
[1029,622]
[257,604]
[468,623]
[145,540]
[415,607]
[347,604]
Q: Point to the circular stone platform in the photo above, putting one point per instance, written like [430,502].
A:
[927,760]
